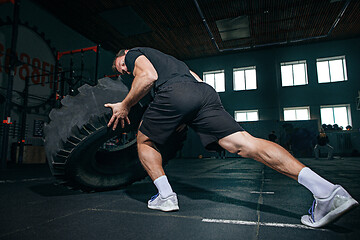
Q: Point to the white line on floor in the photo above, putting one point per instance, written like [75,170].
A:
[251,223]
[25,180]
[256,192]
[207,220]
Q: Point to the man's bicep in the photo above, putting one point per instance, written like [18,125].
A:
[144,66]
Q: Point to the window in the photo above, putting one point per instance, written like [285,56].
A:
[339,114]
[216,79]
[246,115]
[297,113]
[331,69]
[294,73]
[245,78]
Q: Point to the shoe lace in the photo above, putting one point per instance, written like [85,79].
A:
[153,197]
[311,210]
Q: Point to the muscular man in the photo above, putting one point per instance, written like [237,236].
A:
[182,98]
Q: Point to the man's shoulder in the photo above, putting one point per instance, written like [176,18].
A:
[146,51]
[143,49]
[131,57]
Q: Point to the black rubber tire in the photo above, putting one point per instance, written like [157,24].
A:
[78,129]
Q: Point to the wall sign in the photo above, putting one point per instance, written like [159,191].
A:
[36,61]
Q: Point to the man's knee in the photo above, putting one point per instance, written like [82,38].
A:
[142,139]
[241,143]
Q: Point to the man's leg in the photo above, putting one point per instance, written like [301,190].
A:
[266,152]
[276,157]
[327,195]
[150,158]
[330,151]
[316,151]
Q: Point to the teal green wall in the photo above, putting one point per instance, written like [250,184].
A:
[270,98]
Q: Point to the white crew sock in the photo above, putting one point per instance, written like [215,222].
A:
[319,187]
[163,186]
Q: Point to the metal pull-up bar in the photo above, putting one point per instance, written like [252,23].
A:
[94,48]
[82,50]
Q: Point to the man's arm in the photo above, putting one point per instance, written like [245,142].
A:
[144,77]
[196,76]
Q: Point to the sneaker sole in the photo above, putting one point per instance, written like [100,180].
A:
[334,215]
[164,209]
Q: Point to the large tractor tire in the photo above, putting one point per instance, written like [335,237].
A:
[87,155]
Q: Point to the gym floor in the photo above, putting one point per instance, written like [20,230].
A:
[219,199]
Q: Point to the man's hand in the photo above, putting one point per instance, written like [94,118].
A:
[120,113]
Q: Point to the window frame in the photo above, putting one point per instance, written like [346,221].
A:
[247,111]
[292,63]
[244,69]
[215,72]
[297,108]
[328,59]
[348,113]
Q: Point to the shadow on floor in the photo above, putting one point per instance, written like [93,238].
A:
[53,190]
[194,192]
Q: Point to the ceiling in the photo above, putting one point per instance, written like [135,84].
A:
[196,28]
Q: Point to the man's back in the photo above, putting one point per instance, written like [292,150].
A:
[167,67]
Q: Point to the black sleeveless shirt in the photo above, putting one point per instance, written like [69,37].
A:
[167,67]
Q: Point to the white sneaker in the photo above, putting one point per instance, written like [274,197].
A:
[326,210]
[164,204]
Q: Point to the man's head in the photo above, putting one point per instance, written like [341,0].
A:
[119,62]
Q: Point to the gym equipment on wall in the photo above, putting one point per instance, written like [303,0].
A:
[37,65]
[70,76]
[32,66]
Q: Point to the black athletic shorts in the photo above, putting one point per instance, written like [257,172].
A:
[194,103]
